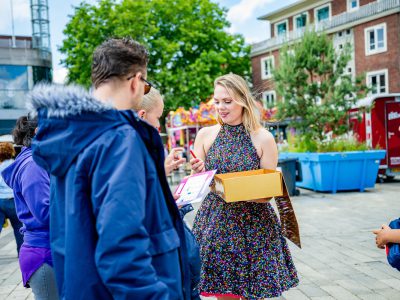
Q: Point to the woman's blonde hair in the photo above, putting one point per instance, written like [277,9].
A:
[150,100]
[239,91]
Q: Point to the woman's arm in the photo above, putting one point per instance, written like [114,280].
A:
[35,182]
[269,155]
[198,149]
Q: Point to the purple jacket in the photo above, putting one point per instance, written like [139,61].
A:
[31,187]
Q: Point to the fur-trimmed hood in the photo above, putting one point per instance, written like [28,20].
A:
[60,101]
[70,118]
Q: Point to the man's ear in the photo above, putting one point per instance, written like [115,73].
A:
[135,81]
[141,113]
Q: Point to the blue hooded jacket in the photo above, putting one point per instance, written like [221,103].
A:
[115,230]
[30,184]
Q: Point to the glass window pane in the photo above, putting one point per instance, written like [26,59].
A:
[353,4]
[382,83]
[373,81]
[281,28]
[323,14]
[13,86]
[380,37]
[301,21]
[266,67]
[372,40]
[13,77]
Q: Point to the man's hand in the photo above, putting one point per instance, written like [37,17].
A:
[173,160]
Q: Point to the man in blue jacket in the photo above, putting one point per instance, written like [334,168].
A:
[115,229]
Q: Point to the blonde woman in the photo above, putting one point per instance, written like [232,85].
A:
[151,110]
[243,252]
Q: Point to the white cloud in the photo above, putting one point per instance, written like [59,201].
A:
[21,12]
[245,10]
[60,75]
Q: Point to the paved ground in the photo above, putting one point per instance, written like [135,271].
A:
[339,259]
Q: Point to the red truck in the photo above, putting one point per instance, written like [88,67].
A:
[379,127]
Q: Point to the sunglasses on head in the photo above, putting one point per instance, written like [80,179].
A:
[147,86]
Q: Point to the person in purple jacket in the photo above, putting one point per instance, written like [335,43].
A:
[31,188]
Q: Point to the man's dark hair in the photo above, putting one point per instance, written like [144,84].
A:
[118,58]
[24,130]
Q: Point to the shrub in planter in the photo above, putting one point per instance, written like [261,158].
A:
[318,94]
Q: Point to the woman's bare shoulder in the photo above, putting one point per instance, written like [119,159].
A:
[262,135]
[208,131]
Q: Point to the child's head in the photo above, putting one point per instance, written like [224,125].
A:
[6,151]
[151,108]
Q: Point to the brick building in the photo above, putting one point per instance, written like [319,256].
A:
[372,27]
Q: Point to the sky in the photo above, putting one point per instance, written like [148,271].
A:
[242,15]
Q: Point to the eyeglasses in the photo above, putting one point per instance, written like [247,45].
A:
[148,85]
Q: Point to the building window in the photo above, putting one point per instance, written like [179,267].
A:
[42,74]
[378,81]
[267,65]
[352,5]
[375,39]
[282,28]
[13,86]
[300,21]
[269,98]
[323,13]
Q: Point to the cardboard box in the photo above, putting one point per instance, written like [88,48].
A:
[249,185]
[260,184]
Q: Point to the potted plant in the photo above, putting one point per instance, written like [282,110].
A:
[317,93]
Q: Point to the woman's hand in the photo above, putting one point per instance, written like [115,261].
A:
[382,236]
[176,197]
[173,160]
[197,165]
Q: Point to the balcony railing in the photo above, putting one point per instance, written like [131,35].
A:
[20,42]
[363,12]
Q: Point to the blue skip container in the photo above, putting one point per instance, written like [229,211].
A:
[338,171]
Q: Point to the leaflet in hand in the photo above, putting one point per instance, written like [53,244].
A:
[194,188]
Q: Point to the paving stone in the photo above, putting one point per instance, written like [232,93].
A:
[339,293]
[372,297]
[295,294]
[338,260]
[312,290]
[354,287]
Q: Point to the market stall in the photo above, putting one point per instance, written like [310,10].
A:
[183,125]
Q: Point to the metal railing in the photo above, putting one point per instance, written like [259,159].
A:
[363,12]
[20,42]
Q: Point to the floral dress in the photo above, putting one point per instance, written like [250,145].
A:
[242,248]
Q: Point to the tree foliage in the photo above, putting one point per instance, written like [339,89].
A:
[316,89]
[187,41]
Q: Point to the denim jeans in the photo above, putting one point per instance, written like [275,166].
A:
[43,283]
[7,210]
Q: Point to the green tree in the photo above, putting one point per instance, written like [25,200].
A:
[187,40]
[316,90]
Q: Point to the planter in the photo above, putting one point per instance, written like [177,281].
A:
[338,171]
